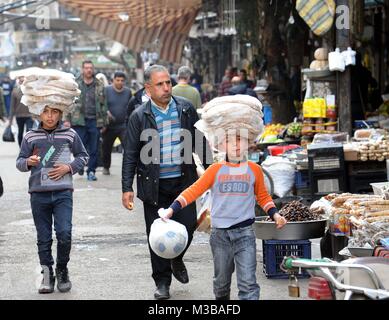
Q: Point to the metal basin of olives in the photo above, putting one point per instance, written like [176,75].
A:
[301,230]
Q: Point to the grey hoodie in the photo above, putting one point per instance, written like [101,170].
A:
[56,147]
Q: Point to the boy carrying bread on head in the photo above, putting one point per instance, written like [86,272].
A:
[53,153]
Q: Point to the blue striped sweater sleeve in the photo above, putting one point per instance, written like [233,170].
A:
[24,154]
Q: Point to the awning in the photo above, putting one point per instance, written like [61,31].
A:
[162,24]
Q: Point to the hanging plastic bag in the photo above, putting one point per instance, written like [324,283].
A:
[336,61]
[8,135]
[349,57]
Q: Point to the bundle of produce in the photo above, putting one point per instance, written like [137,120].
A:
[294,129]
[238,114]
[48,87]
[338,200]
[360,207]
[271,132]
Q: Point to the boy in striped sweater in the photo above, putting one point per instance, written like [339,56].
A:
[46,152]
[236,185]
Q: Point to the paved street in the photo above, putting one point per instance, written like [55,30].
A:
[109,258]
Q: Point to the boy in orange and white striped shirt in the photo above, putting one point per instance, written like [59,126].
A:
[236,185]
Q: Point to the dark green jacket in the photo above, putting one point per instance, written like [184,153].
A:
[77,116]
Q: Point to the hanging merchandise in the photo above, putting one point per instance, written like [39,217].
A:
[314,108]
[349,57]
[318,14]
[336,61]
[331,108]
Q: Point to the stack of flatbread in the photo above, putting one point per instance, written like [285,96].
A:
[48,87]
[238,114]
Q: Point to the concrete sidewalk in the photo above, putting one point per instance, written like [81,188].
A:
[110,257]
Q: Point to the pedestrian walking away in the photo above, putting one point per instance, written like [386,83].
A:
[162,179]
[3,112]
[7,87]
[46,152]
[89,115]
[239,87]
[20,112]
[183,89]
[118,97]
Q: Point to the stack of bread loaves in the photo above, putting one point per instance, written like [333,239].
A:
[321,59]
[238,114]
[48,87]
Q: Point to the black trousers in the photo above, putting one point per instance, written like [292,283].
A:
[169,189]
[109,137]
[23,122]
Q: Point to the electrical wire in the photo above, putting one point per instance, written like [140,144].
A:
[15,6]
[27,14]
[11,4]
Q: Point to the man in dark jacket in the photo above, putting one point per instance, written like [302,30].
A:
[136,101]
[238,87]
[117,98]
[160,177]
[89,115]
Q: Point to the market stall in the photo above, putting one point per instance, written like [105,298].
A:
[357,223]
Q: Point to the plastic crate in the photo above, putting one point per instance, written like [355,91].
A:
[274,252]
[301,180]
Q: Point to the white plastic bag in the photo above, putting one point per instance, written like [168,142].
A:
[349,57]
[324,204]
[282,172]
[168,239]
[204,214]
[336,61]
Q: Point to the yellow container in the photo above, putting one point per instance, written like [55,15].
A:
[314,108]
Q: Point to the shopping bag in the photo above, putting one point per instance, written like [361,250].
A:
[204,214]
[1,187]
[8,135]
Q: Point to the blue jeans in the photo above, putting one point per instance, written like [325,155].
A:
[45,206]
[90,136]
[230,249]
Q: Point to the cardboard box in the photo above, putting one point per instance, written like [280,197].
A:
[350,155]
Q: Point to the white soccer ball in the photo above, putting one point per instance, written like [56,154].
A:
[168,239]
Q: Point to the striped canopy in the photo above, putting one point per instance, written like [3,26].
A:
[157,25]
